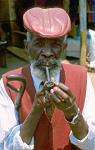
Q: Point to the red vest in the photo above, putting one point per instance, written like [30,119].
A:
[51,134]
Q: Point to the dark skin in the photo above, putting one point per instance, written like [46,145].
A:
[48,52]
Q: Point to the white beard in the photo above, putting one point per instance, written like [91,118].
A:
[42,74]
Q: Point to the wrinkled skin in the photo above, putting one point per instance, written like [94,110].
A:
[48,52]
[44,53]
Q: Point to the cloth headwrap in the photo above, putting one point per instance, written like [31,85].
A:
[49,22]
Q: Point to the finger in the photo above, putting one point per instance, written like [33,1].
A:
[41,92]
[65,89]
[54,97]
[46,102]
[61,94]
[43,101]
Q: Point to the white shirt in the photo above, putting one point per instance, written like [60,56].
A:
[10,128]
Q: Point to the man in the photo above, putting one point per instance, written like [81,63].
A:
[59,117]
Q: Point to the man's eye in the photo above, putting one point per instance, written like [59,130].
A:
[37,45]
[57,43]
[57,46]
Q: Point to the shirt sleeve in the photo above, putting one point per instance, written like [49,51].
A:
[14,141]
[9,125]
[88,143]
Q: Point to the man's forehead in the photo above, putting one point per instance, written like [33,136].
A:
[35,37]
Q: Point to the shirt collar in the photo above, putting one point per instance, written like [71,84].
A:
[37,81]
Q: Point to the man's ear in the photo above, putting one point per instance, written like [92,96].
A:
[65,42]
[64,46]
[26,44]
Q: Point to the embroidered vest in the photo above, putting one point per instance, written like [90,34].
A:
[51,134]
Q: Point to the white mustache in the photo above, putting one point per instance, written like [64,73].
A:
[41,73]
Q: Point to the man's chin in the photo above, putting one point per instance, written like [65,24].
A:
[41,72]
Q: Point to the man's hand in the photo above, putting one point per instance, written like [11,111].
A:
[30,123]
[64,99]
[62,96]
[41,99]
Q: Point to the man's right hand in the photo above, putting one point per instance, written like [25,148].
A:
[29,125]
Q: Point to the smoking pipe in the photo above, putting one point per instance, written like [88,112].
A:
[48,84]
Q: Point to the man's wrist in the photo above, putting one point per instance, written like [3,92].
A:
[76,118]
[70,112]
[79,126]
[77,123]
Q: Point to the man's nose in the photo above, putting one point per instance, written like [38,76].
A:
[47,54]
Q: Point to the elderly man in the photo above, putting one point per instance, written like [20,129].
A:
[56,111]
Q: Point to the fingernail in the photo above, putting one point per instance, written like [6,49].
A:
[55,88]
[56,83]
[52,91]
